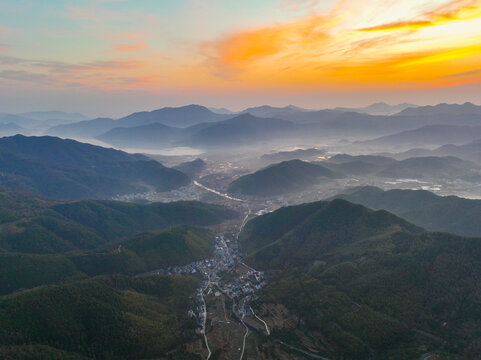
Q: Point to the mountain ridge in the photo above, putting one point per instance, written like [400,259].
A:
[280,178]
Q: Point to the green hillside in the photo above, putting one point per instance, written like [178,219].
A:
[31,225]
[307,231]
[436,213]
[141,253]
[178,246]
[68,169]
[285,177]
[363,283]
[104,318]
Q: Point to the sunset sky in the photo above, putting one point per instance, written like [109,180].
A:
[112,57]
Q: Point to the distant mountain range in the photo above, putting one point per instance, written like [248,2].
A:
[84,129]
[380,108]
[150,136]
[282,178]
[222,111]
[430,167]
[435,213]
[274,112]
[39,120]
[170,117]
[238,131]
[10,129]
[69,169]
[296,175]
[177,117]
[53,115]
[241,130]
[428,136]
[293,155]
[443,109]
[195,125]
[470,151]
[368,159]
[357,165]
[448,167]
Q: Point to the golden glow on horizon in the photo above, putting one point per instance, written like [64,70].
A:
[342,49]
[371,44]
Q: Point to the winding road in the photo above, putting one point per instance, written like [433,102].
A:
[262,321]
[244,341]
[205,321]
[243,223]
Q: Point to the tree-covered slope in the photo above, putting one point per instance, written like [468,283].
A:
[281,178]
[140,254]
[321,228]
[365,283]
[435,213]
[67,169]
[32,225]
[147,251]
[104,318]
[63,151]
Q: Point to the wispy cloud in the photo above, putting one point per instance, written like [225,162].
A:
[104,65]
[101,73]
[352,45]
[456,10]
[20,75]
[375,43]
[130,47]
[464,74]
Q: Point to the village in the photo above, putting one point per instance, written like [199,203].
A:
[219,277]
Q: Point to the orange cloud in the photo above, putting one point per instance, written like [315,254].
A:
[129,47]
[456,10]
[272,40]
[330,51]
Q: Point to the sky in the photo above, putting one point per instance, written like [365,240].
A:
[113,57]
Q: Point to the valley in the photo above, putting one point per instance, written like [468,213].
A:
[276,246]
[240,180]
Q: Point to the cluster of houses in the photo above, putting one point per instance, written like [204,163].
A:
[189,192]
[245,284]
[242,287]
[224,257]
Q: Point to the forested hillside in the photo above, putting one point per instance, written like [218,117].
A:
[114,317]
[30,224]
[142,253]
[435,213]
[365,283]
